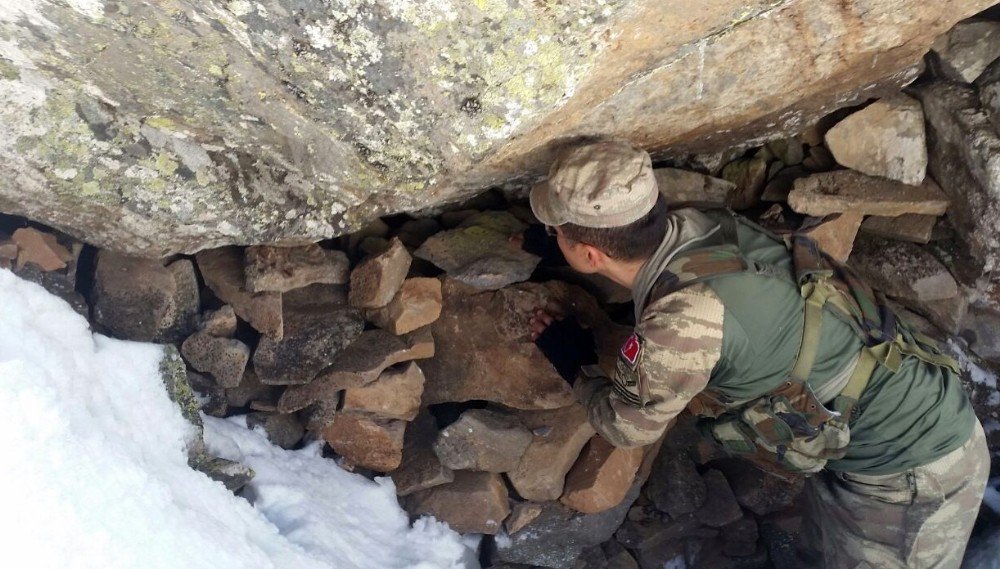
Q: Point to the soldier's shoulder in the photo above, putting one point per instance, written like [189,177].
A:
[694,310]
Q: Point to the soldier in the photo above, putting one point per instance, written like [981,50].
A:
[785,356]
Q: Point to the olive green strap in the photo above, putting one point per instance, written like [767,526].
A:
[816,294]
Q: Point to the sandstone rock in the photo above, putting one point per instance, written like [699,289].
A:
[477,253]
[312,340]
[223,272]
[283,430]
[675,486]
[416,304]
[848,191]
[964,152]
[968,48]
[835,236]
[485,351]
[482,440]
[740,537]
[140,299]
[360,364]
[281,269]
[819,160]
[394,395]
[907,227]
[521,515]
[884,139]
[321,297]
[370,443]
[720,507]
[601,477]
[377,279]
[756,490]
[251,389]
[224,359]
[558,437]
[41,249]
[221,322]
[420,469]
[748,176]
[476,502]
[683,186]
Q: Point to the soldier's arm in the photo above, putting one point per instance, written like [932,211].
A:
[679,343]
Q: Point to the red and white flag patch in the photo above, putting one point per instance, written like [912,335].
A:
[631,349]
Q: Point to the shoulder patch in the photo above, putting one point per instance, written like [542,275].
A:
[626,380]
[632,349]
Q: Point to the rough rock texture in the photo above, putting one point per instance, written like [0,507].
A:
[846,190]
[282,269]
[483,440]
[214,123]
[836,236]
[416,304]
[221,322]
[682,186]
[748,178]
[283,430]
[907,227]
[475,502]
[420,469]
[485,350]
[558,437]
[394,395]
[375,281]
[884,139]
[675,486]
[968,49]
[522,514]
[601,477]
[224,359]
[369,443]
[720,507]
[313,337]
[756,490]
[42,249]
[964,152]
[140,299]
[223,272]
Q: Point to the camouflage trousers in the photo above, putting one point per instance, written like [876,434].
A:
[918,518]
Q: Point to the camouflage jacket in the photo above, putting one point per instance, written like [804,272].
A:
[669,357]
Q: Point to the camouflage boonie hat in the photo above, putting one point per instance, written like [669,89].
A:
[606,184]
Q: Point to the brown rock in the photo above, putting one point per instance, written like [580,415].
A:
[675,486]
[251,389]
[835,236]
[360,364]
[522,514]
[320,414]
[8,254]
[283,430]
[223,272]
[476,502]
[558,437]
[683,186]
[758,491]
[420,469]
[601,477]
[140,299]
[819,160]
[884,139]
[221,322]
[848,191]
[394,395]
[377,279]
[40,249]
[315,297]
[482,440]
[720,507]
[281,269]
[370,443]
[313,338]
[416,304]
[224,359]
[907,227]
[749,177]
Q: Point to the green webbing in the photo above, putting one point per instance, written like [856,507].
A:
[816,294]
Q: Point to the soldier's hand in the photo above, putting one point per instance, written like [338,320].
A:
[565,343]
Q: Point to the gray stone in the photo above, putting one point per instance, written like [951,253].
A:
[420,468]
[377,279]
[413,233]
[981,329]
[748,177]
[223,272]
[483,440]
[907,227]
[478,253]
[312,339]
[884,139]
[675,486]
[758,491]
[282,269]
[683,186]
[212,396]
[968,48]
[140,299]
[283,430]
[720,507]
[475,502]
[740,537]
[233,475]
[225,359]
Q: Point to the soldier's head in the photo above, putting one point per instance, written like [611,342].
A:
[602,202]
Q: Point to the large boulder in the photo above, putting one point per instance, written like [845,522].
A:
[214,123]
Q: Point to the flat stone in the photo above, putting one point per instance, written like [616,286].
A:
[416,304]
[283,430]
[649,534]
[558,436]
[394,395]
[835,236]
[720,507]
[140,299]
[683,186]
[475,502]
[315,297]
[907,227]
[675,487]
[221,322]
[485,350]
[359,364]
[849,191]
[225,359]
[483,440]
[420,469]
[251,389]
[964,152]
[758,491]
[478,254]
[370,443]
[41,249]
[281,269]
[884,139]
[748,176]
[377,279]
[601,477]
[223,272]
[312,340]
[521,515]
[968,48]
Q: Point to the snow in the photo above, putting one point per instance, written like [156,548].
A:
[93,469]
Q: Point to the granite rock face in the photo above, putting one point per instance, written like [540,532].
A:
[215,123]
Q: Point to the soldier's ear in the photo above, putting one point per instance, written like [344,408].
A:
[596,259]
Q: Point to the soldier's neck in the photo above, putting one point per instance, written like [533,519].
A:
[622,272]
